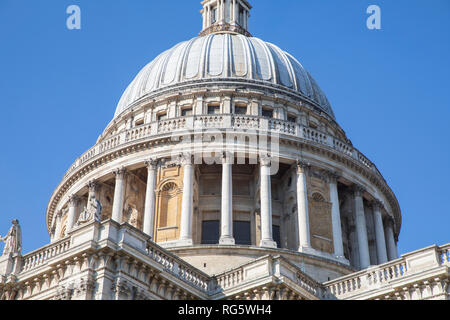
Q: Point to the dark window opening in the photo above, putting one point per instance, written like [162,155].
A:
[241,16]
[267,113]
[213,109]
[214,15]
[240,110]
[162,117]
[276,235]
[242,233]
[210,232]
[186,112]
[292,119]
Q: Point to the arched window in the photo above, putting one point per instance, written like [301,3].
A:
[318,197]
[169,212]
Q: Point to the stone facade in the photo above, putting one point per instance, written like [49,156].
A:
[224,179]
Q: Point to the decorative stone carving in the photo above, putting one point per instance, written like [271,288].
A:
[64,292]
[185,159]
[265,160]
[302,166]
[151,164]
[358,190]
[120,172]
[121,289]
[13,240]
[377,204]
[93,209]
[132,215]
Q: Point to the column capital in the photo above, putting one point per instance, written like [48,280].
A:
[332,176]
[227,157]
[120,172]
[92,185]
[185,159]
[388,221]
[377,204]
[151,164]
[73,200]
[358,189]
[59,214]
[265,160]
[302,166]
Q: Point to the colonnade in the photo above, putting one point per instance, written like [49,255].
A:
[384,233]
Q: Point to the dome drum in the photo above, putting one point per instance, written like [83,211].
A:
[326,204]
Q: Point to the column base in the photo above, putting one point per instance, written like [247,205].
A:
[227,241]
[342,259]
[268,244]
[305,249]
[179,243]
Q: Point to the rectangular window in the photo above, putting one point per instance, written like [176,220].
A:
[241,16]
[210,232]
[240,110]
[162,117]
[214,15]
[242,233]
[268,113]
[213,109]
[186,112]
[292,119]
[276,235]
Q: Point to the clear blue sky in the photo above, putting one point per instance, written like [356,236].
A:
[389,90]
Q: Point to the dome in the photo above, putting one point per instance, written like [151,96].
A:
[224,56]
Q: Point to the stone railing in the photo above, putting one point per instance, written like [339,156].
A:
[224,121]
[262,269]
[382,276]
[230,279]
[178,267]
[40,257]
[444,254]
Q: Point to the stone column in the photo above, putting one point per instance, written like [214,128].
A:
[379,232]
[390,241]
[149,211]
[236,13]
[58,226]
[336,217]
[302,205]
[117,210]
[361,228]
[73,208]
[232,12]
[266,204]
[226,235]
[187,201]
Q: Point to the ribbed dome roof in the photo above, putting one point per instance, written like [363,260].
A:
[224,56]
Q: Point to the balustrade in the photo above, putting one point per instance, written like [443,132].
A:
[179,268]
[38,258]
[244,122]
[374,278]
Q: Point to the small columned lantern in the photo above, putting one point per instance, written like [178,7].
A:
[225,16]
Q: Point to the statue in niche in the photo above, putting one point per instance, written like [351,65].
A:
[133,215]
[93,210]
[13,240]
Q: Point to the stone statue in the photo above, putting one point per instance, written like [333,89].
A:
[93,210]
[13,240]
[133,215]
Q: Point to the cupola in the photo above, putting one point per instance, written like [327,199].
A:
[225,16]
